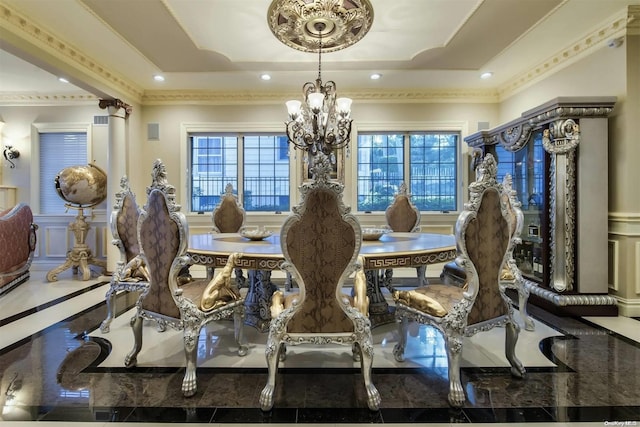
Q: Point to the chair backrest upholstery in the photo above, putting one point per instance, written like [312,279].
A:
[228,216]
[321,239]
[402,215]
[124,222]
[483,231]
[163,235]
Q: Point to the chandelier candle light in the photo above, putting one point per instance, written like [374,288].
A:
[322,121]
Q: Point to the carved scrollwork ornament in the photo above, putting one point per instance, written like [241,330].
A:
[561,136]
[116,103]
[515,137]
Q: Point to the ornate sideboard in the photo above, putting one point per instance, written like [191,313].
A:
[557,157]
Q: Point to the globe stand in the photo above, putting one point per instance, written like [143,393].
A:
[80,255]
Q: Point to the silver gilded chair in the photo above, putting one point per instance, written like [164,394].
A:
[484,245]
[511,275]
[403,216]
[229,217]
[163,236]
[320,242]
[131,274]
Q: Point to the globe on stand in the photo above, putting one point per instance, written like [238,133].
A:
[81,187]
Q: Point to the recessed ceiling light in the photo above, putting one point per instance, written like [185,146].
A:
[486,75]
[63,80]
[265,76]
[375,76]
[158,78]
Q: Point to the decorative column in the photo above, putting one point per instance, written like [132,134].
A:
[116,163]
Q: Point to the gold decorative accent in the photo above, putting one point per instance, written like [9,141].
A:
[420,302]
[296,23]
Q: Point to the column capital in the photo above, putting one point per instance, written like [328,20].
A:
[117,104]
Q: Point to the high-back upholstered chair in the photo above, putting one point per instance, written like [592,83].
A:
[163,236]
[320,242]
[511,275]
[403,216]
[484,246]
[229,217]
[130,274]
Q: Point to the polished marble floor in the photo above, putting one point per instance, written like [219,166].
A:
[56,366]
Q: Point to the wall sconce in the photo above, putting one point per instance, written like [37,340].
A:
[10,154]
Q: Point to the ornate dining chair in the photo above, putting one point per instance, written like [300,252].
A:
[163,236]
[320,243]
[131,274]
[229,217]
[484,244]
[511,275]
[403,216]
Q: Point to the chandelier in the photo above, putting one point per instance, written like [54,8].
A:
[322,121]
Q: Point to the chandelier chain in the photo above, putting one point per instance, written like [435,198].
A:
[320,58]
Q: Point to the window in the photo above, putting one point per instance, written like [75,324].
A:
[254,163]
[427,161]
[58,150]
[527,169]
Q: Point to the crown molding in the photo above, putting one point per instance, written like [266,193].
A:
[401,96]
[26,99]
[596,39]
[34,33]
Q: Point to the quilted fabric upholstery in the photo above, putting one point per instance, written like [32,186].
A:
[17,242]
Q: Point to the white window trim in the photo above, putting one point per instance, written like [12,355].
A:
[36,130]
[187,128]
[429,126]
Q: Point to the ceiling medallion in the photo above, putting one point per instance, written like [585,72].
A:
[296,23]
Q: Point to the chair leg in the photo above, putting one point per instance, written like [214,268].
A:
[398,349]
[366,362]
[523,297]
[511,338]
[453,342]
[238,326]
[132,358]
[110,298]
[272,353]
[190,338]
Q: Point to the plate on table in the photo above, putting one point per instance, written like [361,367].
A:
[256,234]
[373,233]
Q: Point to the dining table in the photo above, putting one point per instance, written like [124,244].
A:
[378,257]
